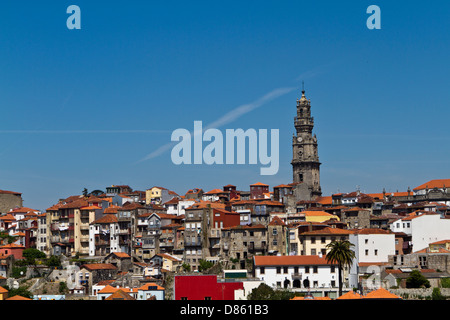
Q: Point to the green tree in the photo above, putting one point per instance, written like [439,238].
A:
[85,192]
[31,254]
[204,265]
[417,280]
[53,261]
[264,292]
[436,294]
[5,236]
[21,291]
[96,193]
[63,287]
[340,253]
[186,267]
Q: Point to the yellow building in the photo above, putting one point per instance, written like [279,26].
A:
[315,242]
[440,246]
[154,195]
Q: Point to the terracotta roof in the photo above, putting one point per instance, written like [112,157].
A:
[3,290]
[214,191]
[269,203]
[99,266]
[372,231]
[18,298]
[107,218]
[111,209]
[174,200]
[8,216]
[437,183]
[12,246]
[91,208]
[146,286]
[276,221]
[351,295]
[23,210]
[328,230]
[309,213]
[131,206]
[76,204]
[9,192]
[121,254]
[381,293]
[325,200]
[259,184]
[206,204]
[290,260]
[120,295]
[283,186]
[441,242]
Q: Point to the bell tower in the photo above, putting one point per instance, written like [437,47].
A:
[305,159]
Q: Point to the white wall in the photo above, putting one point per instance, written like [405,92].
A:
[324,276]
[369,248]
[427,229]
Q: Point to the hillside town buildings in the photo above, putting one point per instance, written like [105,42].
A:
[133,241]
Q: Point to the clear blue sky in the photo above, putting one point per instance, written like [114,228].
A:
[80,108]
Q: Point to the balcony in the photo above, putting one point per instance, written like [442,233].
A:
[257,247]
[296,275]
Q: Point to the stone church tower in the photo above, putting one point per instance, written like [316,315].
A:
[305,159]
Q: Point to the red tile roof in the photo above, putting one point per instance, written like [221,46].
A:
[437,183]
[290,260]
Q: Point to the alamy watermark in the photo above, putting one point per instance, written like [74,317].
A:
[231,150]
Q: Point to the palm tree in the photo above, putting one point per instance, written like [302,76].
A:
[340,254]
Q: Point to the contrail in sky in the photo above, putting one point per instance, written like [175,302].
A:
[229,117]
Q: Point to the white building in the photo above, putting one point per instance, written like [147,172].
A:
[299,273]
[423,227]
[372,247]
[104,235]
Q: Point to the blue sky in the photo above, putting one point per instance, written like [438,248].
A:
[80,108]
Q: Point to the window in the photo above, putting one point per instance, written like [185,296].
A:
[322,239]
[262,270]
[366,252]
[313,252]
[376,252]
[366,241]
[306,269]
[278,270]
[315,269]
[313,239]
[285,269]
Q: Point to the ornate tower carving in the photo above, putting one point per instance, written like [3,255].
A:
[305,160]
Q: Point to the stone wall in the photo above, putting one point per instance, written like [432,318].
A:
[415,294]
[9,201]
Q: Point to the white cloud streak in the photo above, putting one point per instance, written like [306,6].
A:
[230,116]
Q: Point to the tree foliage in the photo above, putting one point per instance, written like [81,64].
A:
[264,292]
[204,265]
[31,254]
[417,280]
[340,252]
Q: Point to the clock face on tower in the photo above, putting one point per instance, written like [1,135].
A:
[299,139]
